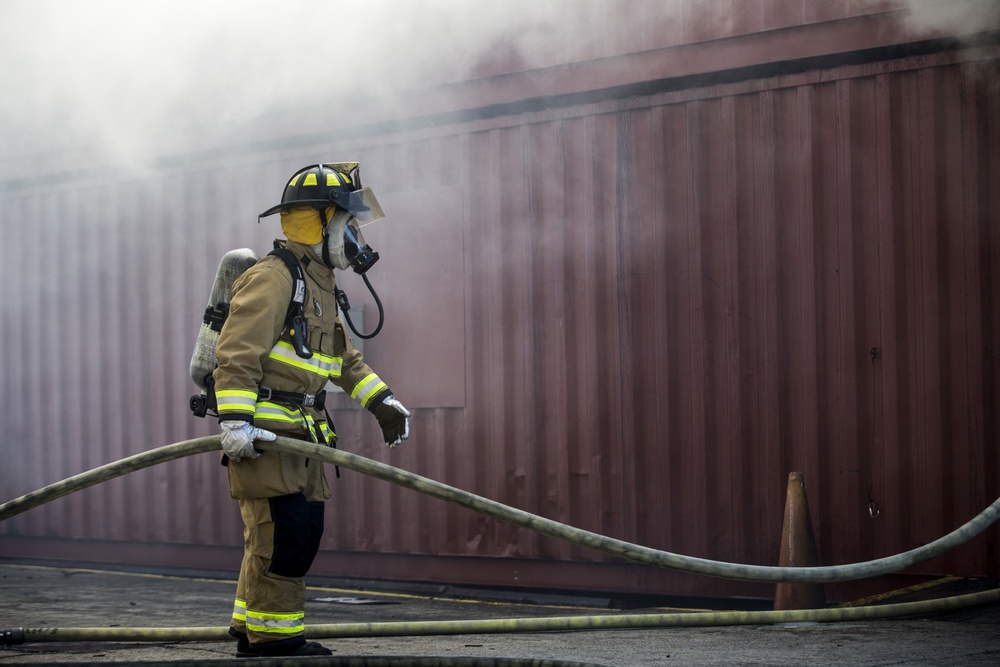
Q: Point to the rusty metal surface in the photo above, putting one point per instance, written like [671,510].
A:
[646,314]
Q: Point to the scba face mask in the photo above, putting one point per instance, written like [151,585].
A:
[343,247]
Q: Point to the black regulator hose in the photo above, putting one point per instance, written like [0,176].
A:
[612,546]
[345,307]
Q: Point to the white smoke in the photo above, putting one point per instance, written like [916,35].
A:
[83,81]
[951,17]
[118,72]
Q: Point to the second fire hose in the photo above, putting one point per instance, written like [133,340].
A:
[515,625]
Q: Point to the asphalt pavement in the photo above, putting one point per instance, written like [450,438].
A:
[37,596]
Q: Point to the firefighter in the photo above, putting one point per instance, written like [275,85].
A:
[270,380]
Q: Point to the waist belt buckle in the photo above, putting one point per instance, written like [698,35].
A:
[308,400]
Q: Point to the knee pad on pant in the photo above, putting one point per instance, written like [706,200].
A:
[298,527]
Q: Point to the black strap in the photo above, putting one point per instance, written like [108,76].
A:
[333,429]
[317,401]
[295,318]
[216,316]
[298,278]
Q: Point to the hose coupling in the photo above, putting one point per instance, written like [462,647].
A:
[11,637]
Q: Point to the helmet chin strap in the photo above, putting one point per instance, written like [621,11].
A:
[326,238]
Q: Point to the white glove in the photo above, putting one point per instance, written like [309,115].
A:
[394,420]
[238,436]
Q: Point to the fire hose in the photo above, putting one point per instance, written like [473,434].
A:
[609,545]
[612,546]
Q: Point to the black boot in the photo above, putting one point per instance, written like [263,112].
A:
[286,647]
[243,648]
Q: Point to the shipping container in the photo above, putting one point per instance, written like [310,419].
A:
[630,288]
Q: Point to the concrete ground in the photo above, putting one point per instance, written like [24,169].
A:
[37,596]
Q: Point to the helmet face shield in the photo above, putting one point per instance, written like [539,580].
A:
[362,204]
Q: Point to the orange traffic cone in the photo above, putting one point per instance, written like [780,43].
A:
[798,549]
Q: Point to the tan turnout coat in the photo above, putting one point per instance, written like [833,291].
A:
[255,353]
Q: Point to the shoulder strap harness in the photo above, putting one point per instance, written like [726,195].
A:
[295,319]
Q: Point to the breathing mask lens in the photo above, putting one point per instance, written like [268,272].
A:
[358,253]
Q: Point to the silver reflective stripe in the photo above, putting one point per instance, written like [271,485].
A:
[235,400]
[285,624]
[368,387]
[240,610]
[275,412]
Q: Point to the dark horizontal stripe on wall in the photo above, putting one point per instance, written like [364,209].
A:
[540,104]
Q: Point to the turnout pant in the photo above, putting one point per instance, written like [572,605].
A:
[281,538]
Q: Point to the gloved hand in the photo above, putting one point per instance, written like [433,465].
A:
[238,436]
[394,420]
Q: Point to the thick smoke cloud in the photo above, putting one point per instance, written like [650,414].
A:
[960,17]
[113,80]
[116,72]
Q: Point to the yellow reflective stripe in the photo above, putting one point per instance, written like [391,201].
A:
[279,413]
[311,427]
[295,178]
[310,179]
[320,364]
[370,385]
[240,610]
[327,434]
[333,179]
[274,412]
[235,400]
[277,623]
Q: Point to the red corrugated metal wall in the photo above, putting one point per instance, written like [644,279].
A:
[652,310]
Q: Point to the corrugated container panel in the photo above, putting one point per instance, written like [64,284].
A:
[824,319]
[659,306]
[780,295]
